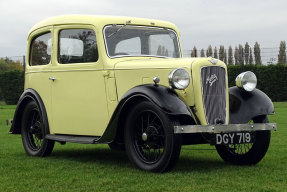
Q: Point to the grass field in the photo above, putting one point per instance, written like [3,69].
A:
[78,167]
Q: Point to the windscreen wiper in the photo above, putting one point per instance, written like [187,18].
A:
[127,22]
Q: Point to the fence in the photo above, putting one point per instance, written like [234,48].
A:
[268,55]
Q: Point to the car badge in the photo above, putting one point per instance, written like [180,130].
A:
[213,61]
[211,79]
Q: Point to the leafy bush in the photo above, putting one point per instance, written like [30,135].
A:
[7,64]
[4,66]
[271,79]
[12,85]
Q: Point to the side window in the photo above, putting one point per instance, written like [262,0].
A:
[77,46]
[129,47]
[40,50]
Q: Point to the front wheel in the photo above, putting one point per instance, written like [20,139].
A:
[248,153]
[33,132]
[150,142]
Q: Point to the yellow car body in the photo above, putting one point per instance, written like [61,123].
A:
[90,92]
[83,100]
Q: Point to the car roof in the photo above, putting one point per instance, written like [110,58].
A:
[100,21]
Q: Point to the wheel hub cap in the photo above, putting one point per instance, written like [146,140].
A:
[144,137]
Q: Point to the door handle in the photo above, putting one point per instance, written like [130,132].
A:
[52,78]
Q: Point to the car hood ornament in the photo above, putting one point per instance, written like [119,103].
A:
[213,61]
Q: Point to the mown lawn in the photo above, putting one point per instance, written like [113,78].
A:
[77,167]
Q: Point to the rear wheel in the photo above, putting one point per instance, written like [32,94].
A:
[33,132]
[249,153]
[150,142]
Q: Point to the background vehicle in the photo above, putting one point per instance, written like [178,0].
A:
[123,81]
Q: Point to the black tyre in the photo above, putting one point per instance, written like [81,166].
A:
[249,153]
[33,132]
[150,142]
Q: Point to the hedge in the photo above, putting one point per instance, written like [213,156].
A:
[1,97]
[271,79]
[12,86]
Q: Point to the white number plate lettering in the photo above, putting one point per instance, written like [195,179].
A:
[233,138]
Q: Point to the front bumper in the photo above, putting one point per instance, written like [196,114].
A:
[182,129]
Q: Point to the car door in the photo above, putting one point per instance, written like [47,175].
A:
[79,104]
[39,65]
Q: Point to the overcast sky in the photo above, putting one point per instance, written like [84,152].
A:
[202,22]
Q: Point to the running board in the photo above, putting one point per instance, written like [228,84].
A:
[74,138]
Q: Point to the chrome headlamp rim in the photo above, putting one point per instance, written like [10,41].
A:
[246,80]
[176,85]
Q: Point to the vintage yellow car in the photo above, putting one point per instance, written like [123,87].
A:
[124,82]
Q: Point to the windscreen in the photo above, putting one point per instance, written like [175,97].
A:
[125,40]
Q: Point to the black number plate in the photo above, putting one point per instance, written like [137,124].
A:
[233,138]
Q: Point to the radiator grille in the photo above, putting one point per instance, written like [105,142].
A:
[213,84]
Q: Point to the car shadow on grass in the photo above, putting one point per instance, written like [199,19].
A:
[92,155]
[114,158]
[199,164]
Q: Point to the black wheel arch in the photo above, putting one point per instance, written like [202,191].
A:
[27,96]
[165,98]
[244,106]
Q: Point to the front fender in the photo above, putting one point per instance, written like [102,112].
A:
[244,106]
[165,98]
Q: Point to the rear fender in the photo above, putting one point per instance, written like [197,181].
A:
[26,97]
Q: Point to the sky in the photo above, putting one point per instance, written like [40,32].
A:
[201,23]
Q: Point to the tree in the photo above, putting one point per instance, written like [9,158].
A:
[225,57]
[215,55]
[282,53]
[221,52]
[257,55]
[240,55]
[4,66]
[194,52]
[230,56]
[209,51]
[236,56]
[246,53]
[166,53]
[159,51]
[162,51]
[202,53]
[10,65]
[250,57]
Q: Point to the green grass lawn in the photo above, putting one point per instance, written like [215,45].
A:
[78,167]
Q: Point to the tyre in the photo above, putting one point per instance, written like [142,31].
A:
[33,132]
[249,153]
[150,142]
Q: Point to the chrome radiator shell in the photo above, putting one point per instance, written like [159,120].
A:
[213,85]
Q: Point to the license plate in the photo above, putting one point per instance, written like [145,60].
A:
[233,138]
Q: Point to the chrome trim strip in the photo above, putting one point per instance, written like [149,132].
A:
[224,128]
